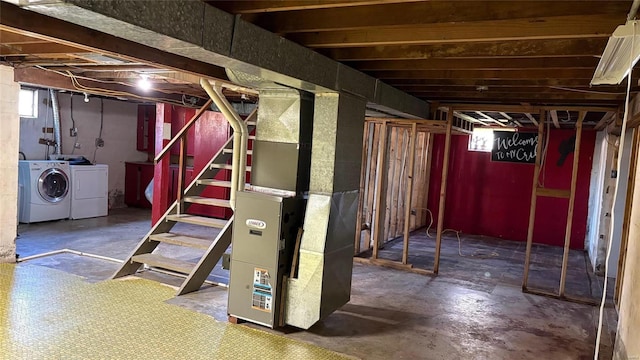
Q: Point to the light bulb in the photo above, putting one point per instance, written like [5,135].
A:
[86,97]
[144,84]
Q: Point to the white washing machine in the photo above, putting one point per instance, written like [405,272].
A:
[45,190]
[89,191]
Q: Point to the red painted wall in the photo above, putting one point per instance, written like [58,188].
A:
[493,198]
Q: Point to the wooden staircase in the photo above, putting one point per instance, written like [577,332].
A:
[213,248]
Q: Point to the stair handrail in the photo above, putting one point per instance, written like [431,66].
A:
[183,131]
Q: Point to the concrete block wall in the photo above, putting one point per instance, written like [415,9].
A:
[10,124]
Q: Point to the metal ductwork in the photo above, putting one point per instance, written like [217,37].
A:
[323,282]
[57,134]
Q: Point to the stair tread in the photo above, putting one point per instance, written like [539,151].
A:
[182,240]
[157,260]
[198,220]
[207,201]
[226,166]
[214,182]
[230,151]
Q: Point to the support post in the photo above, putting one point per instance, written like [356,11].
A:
[381,191]
[182,171]
[161,169]
[572,198]
[409,192]
[624,241]
[363,171]
[443,190]
[532,210]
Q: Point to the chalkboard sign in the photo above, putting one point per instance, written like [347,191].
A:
[514,147]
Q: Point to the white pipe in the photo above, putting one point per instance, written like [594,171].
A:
[69,251]
[237,139]
[244,132]
[634,10]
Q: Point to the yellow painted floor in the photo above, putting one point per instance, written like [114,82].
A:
[49,314]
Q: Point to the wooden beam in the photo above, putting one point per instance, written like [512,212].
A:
[38,77]
[547,82]
[15,19]
[423,12]
[485,74]
[544,48]
[572,198]
[534,197]
[626,222]
[496,121]
[260,6]
[554,193]
[605,120]
[7,37]
[554,118]
[469,118]
[363,170]
[478,64]
[409,193]
[37,49]
[556,27]
[574,99]
[443,191]
[381,191]
[491,89]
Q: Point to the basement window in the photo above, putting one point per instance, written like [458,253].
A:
[28,103]
[481,140]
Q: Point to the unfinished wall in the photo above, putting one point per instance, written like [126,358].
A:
[493,198]
[118,133]
[596,191]
[627,344]
[619,206]
[398,138]
[10,122]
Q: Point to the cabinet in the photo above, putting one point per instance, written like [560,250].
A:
[137,176]
[146,130]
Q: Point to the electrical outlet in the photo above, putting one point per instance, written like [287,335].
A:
[99,142]
[73,132]
[77,145]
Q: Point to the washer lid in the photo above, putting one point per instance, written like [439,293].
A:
[53,185]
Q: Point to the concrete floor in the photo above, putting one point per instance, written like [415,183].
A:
[473,310]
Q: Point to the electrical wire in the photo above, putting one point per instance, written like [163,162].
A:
[615,197]
[545,148]
[476,254]
[73,124]
[112,93]
[101,127]
[586,91]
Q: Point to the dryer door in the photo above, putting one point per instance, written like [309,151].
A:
[53,185]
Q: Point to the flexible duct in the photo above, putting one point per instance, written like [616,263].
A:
[57,135]
[238,160]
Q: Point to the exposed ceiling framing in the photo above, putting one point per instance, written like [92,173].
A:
[501,60]
[495,52]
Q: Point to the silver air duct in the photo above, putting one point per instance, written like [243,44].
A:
[57,135]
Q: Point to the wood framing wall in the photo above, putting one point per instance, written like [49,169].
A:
[396,141]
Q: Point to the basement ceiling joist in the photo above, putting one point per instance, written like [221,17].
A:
[542,52]
[409,14]
[478,50]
